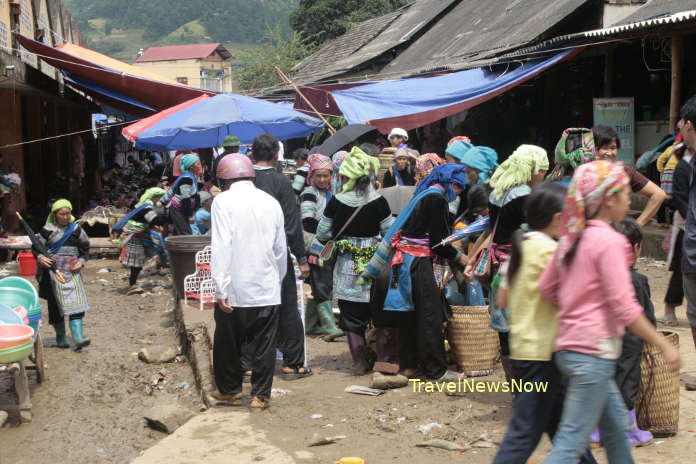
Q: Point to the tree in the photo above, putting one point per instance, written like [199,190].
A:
[254,68]
[323,20]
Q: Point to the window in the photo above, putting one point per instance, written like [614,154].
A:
[182,80]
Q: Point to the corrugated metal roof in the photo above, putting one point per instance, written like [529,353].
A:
[474,31]
[665,19]
[183,52]
[658,8]
[368,40]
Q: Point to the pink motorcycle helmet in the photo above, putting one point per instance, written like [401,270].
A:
[235,166]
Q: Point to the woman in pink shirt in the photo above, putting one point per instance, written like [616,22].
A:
[590,283]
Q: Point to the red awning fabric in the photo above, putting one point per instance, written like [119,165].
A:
[158,94]
[132,131]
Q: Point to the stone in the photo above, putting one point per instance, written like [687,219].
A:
[386,382]
[167,418]
[158,354]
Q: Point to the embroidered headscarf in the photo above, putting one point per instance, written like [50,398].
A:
[518,169]
[483,159]
[591,183]
[575,147]
[426,163]
[358,164]
[444,175]
[463,138]
[57,206]
[150,194]
[187,161]
[317,163]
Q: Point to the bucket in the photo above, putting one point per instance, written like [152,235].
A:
[182,257]
[27,264]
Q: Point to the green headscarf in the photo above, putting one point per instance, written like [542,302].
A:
[357,164]
[518,169]
[150,194]
[57,206]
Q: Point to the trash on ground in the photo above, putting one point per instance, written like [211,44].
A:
[443,444]
[359,390]
[428,427]
[318,439]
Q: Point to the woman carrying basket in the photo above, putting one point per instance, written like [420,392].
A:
[68,247]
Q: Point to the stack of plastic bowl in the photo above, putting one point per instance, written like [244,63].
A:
[9,315]
[16,342]
[16,291]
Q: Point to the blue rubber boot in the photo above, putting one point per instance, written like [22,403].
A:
[61,338]
[79,339]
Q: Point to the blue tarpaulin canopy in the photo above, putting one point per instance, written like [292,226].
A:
[411,103]
[206,123]
[108,95]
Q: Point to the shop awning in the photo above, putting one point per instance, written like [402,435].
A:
[147,88]
[412,103]
[132,131]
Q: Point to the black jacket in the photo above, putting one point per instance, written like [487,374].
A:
[279,187]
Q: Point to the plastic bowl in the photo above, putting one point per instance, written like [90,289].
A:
[17,353]
[12,296]
[14,334]
[9,316]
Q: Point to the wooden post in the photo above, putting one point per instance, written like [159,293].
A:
[287,80]
[675,95]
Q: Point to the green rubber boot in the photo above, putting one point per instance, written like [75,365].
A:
[328,322]
[61,338]
[79,339]
[312,326]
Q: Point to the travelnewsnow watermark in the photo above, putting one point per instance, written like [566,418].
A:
[476,386]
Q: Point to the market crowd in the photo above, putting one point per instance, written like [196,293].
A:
[554,253]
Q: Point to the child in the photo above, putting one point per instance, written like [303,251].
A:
[628,365]
[533,327]
[201,224]
[589,281]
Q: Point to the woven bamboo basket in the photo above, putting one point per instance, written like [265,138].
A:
[385,161]
[657,403]
[475,346]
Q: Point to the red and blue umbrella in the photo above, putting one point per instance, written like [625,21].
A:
[205,121]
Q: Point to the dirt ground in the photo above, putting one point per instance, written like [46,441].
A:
[91,408]
[385,428]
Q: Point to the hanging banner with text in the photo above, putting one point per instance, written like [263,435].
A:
[619,113]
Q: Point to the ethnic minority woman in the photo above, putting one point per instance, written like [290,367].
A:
[141,236]
[68,247]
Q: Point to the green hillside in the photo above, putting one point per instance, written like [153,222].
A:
[119,28]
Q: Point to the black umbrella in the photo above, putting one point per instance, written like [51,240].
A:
[343,137]
[40,247]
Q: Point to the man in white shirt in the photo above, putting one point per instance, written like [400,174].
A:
[249,261]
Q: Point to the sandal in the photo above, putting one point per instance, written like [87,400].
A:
[234,399]
[259,404]
[669,321]
[296,374]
